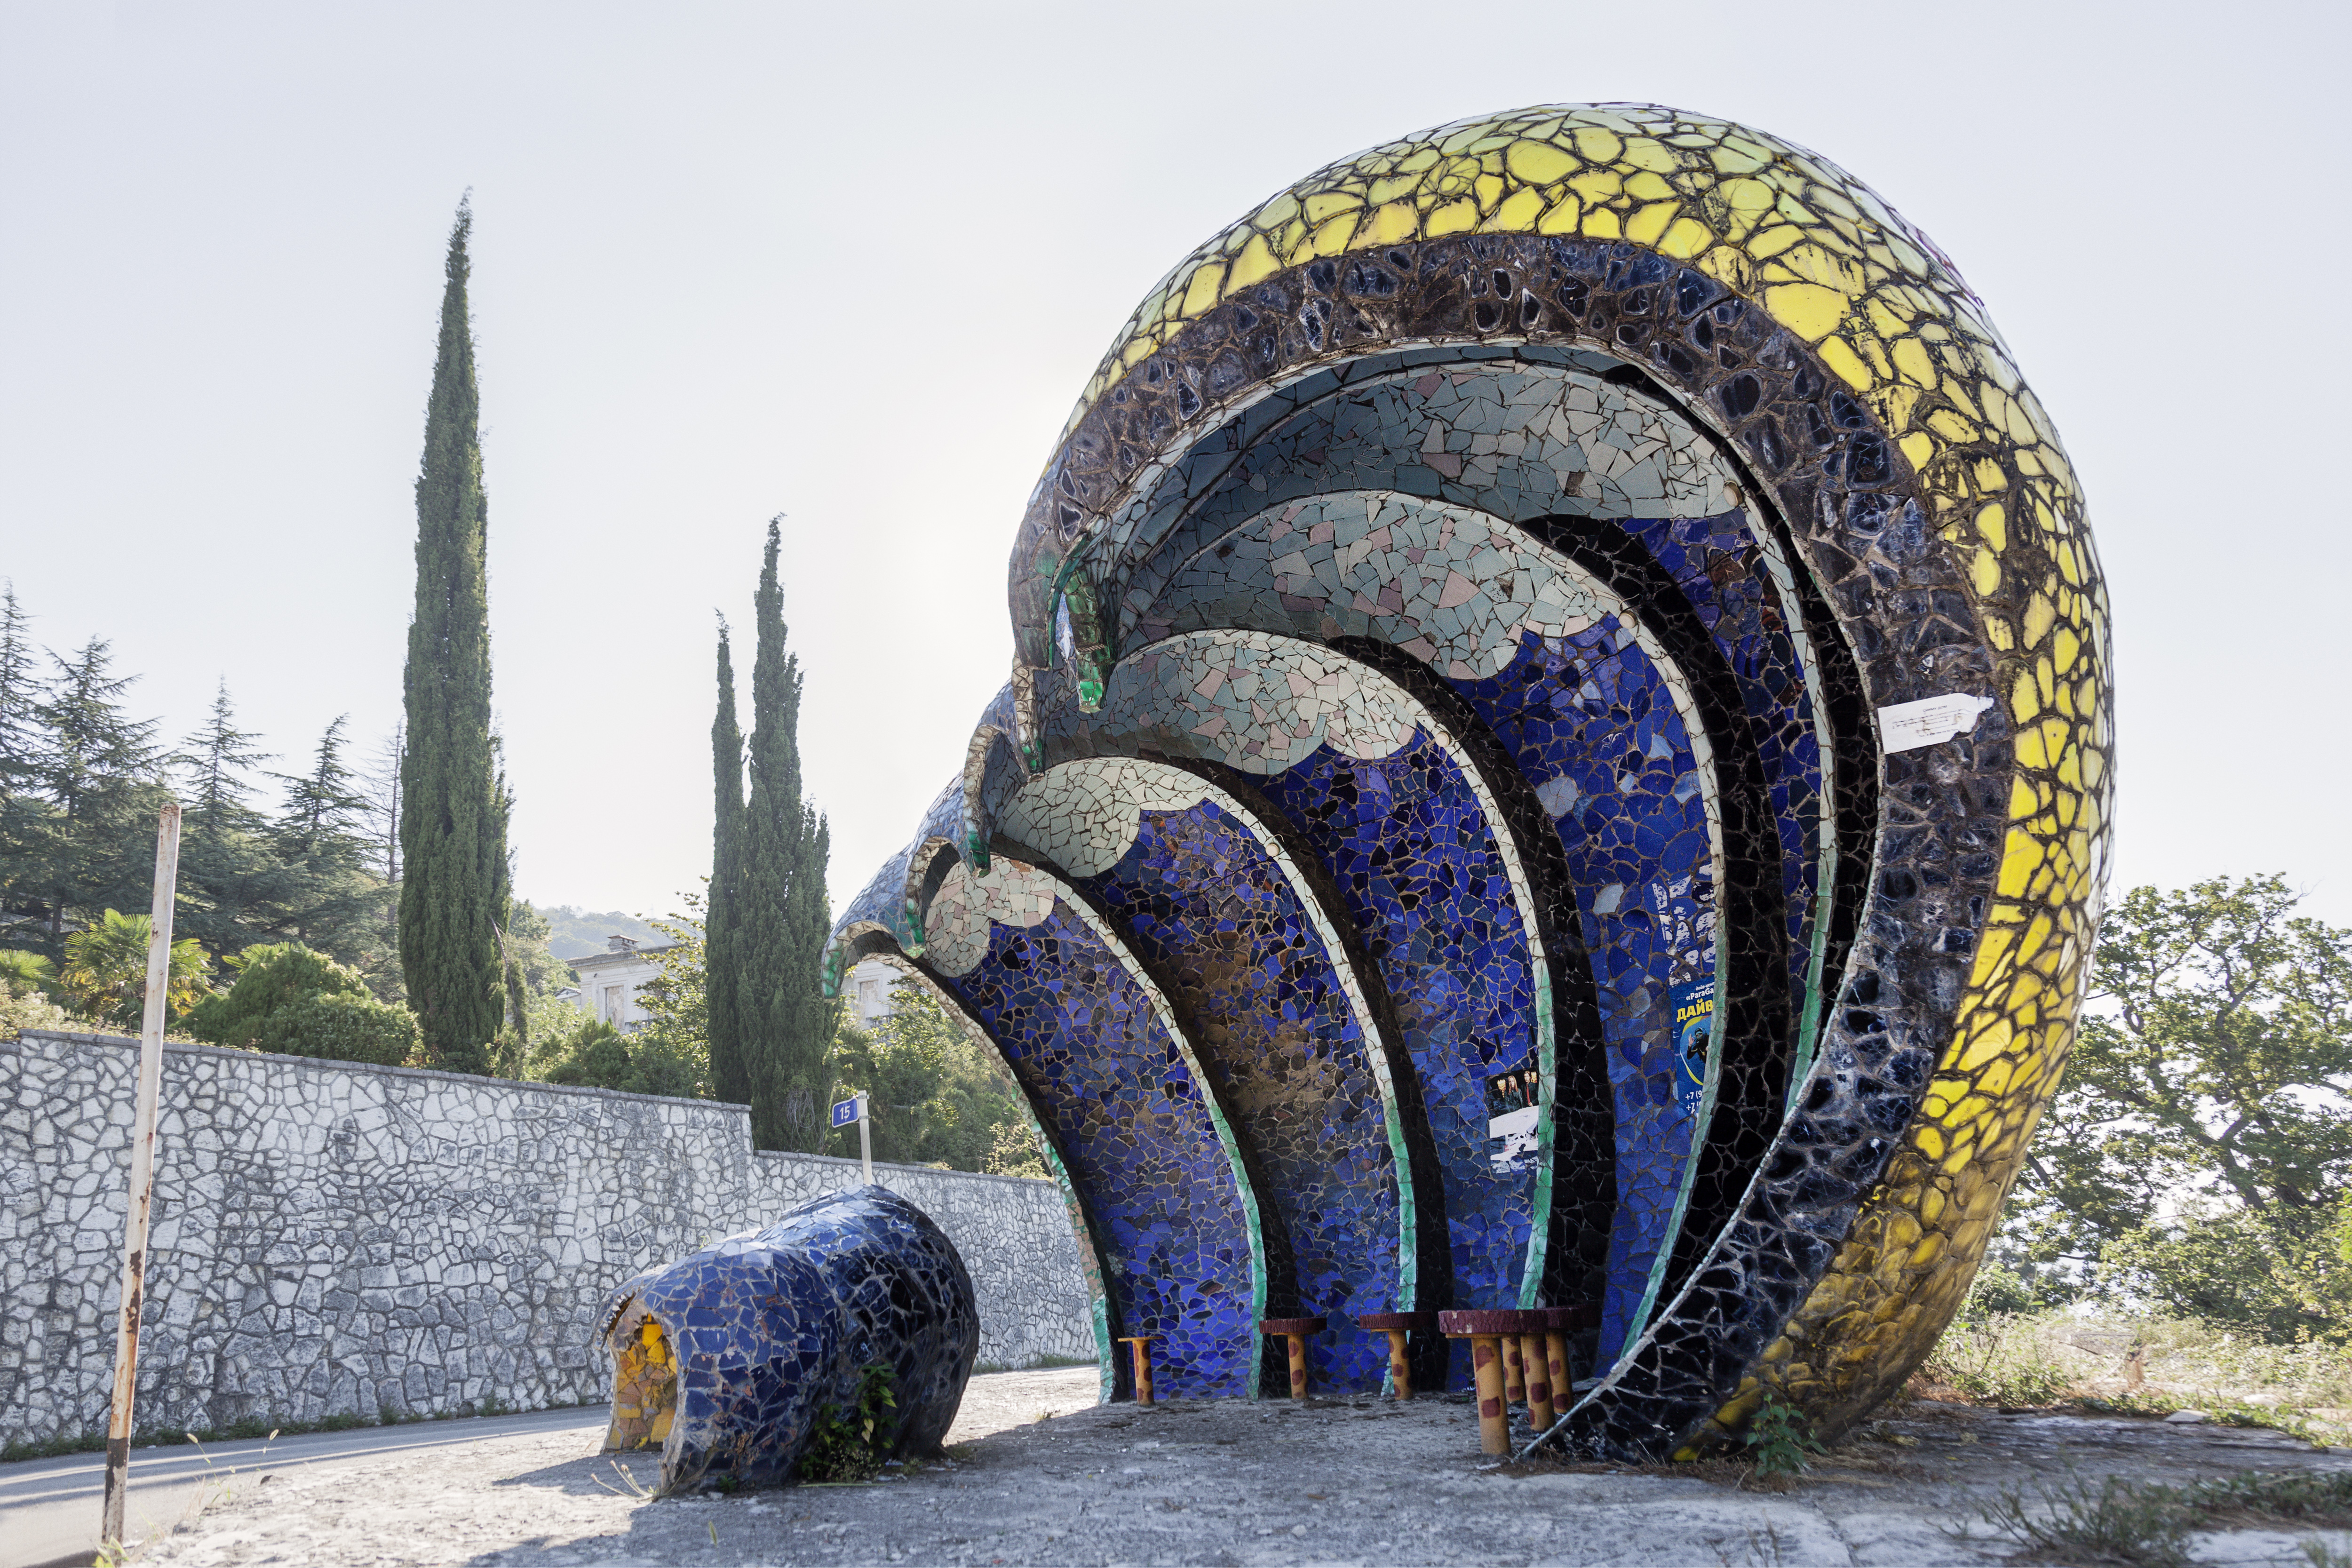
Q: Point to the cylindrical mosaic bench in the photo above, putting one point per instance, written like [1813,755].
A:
[1557,755]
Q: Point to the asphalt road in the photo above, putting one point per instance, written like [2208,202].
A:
[49,1508]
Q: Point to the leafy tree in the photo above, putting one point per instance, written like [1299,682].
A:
[534,976]
[667,1054]
[937,1096]
[105,972]
[454,808]
[730,1077]
[780,909]
[2197,1154]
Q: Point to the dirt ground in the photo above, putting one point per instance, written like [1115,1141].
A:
[1345,1482]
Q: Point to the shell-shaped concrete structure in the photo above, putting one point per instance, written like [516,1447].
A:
[1557,754]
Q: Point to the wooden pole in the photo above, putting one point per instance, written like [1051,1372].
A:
[142,1172]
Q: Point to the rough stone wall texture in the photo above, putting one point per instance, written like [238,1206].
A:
[334,1237]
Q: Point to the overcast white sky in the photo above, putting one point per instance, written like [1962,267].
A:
[854,263]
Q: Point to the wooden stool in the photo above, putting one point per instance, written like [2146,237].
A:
[1488,1331]
[1142,1365]
[1397,1325]
[1295,1329]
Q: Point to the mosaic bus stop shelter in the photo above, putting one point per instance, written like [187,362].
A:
[1556,754]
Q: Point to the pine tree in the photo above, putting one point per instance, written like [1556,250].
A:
[22,751]
[731,1078]
[102,775]
[782,913]
[233,887]
[453,808]
[217,759]
[20,690]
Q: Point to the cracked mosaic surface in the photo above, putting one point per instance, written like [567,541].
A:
[729,1357]
[1119,1095]
[1621,463]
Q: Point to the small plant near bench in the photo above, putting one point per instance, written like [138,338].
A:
[1778,1438]
[850,1445]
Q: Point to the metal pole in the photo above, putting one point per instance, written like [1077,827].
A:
[142,1172]
[864,1137]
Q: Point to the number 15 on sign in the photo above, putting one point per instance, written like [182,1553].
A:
[846,1112]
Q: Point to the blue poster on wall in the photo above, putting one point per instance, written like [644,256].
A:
[1694,1003]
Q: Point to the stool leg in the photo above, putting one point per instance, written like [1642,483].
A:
[1563,1395]
[1400,1368]
[1142,1373]
[1494,1420]
[1532,1348]
[1298,1365]
[1514,1377]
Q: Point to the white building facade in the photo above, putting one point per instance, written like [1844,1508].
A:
[610,980]
[868,987]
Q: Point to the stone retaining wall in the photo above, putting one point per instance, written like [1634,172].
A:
[333,1238]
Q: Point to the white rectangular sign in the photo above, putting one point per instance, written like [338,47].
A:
[1930,722]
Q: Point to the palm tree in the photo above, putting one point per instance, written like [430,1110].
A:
[106,970]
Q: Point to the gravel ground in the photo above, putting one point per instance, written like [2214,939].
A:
[1352,1481]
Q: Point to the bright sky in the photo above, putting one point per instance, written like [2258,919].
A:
[853,264]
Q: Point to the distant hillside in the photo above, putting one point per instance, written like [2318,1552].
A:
[576,933]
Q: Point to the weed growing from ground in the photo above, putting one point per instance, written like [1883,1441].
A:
[850,1445]
[1778,1438]
[2123,1522]
[2111,1522]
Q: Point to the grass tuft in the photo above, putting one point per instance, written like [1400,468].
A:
[2135,1525]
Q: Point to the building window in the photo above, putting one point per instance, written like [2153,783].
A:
[614,996]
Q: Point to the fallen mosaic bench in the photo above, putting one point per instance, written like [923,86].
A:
[729,1359]
[1557,757]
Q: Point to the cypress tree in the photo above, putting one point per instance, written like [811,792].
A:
[731,1078]
[452,810]
[781,914]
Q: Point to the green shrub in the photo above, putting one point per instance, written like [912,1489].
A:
[594,1056]
[297,1001]
[342,1028]
[270,976]
[24,1008]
